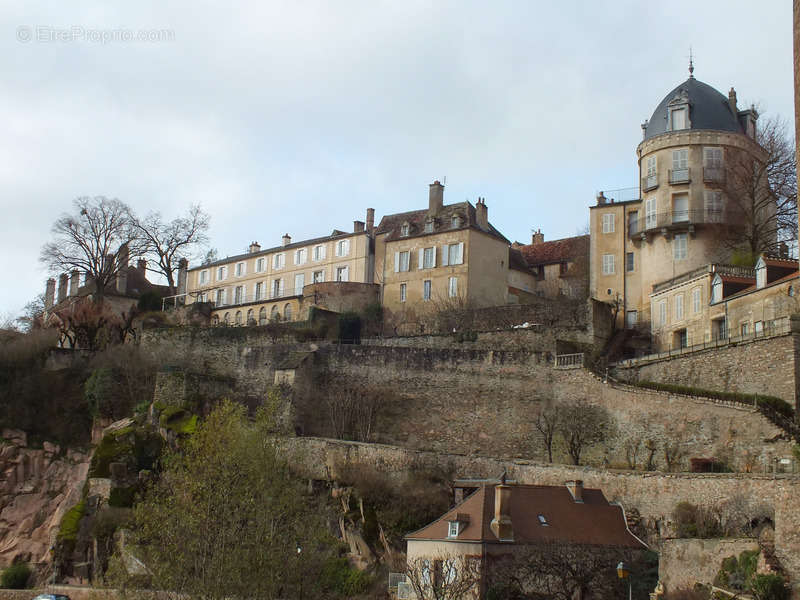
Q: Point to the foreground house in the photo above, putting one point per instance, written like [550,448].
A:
[541,536]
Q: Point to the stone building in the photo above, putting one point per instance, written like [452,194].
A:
[561,267]
[685,209]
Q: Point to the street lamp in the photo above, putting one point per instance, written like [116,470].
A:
[624,573]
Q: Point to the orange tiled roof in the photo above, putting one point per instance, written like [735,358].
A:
[556,251]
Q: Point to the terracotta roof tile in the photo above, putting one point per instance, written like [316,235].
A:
[556,251]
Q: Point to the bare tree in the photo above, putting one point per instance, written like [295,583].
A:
[90,239]
[547,423]
[169,241]
[761,192]
[443,577]
[583,425]
[633,446]
[353,409]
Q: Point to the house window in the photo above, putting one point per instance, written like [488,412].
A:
[562,269]
[238,317]
[716,289]
[650,213]
[680,208]
[429,226]
[428,258]
[222,273]
[713,205]
[278,261]
[678,118]
[681,338]
[203,277]
[679,307]
[401,260]
[696,300]
[629,264]
[426,289]
[452,530]
[220,297]
[680,246]
[452,287]
[745,329]
[275,313]
[299,282]
[277,288]
[680,166]
[251,317]
[608,264]
[651,175]
[404,229]
[455,222]
[203,297]
[608,223]
[319,252]
[262,316]
[403,291]
[453,254]
[259,290]
[287,312]
[759,327]
[712,164]
[300,256]
[238,294]
[631,318]
[227,318]
[318,276]
[260,265]
[543,521]
[342,273]
[662,313]
[342,247]
[633,222]
[241,268]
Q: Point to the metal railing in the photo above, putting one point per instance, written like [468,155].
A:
[673,218]
[569,361]
[649,182]
[679,175]
[247,298]
[713,174]
[622,194]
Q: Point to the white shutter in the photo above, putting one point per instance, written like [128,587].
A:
[396,262]
[421,263]
[433,251]
[461,253]
[336,249]
[346,248]
[324,250]
[445,255]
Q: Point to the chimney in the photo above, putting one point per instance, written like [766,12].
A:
[732,101]
[50,293]
[501,524]
[601,199]
[358,226]
[435,198]
[141,264]
[644,128]
[286,239]
[370,220]
[183,273]
[63,279]
[74,282]
[482,214]
[254,247]
[575,488]
[537,237]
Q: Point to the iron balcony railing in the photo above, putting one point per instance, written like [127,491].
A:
[246,298]
[622,194]
[649,182]
[679,175]
[713,174]
[673,219]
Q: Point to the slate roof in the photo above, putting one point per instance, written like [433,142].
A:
[592,522]
[390,224]
[708,109]
[556,251]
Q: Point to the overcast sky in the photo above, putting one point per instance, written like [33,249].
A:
[296,116]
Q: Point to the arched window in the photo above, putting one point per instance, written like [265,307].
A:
[716,289]
[215,320]
[287,312]
[251,319]
[238,317]
[227,318]
[262,316]
[275,313]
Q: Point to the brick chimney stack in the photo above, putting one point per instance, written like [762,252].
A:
[74,282]
[254,247]
[435,198]
[482,214]
[537,237]
[575,488]
[732,102]
[601,199]
[63,280]
[501,524]
[370,220]
[286,239]
[50,293]
[358,226]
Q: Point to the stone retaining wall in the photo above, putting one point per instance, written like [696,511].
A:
[682,563]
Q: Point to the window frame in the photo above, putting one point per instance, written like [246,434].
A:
[452,287]
[630,262]
[427,288]
[403,292]
[608,264]
[608,222]
[680,246]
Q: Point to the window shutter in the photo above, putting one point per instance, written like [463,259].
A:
[461,253]
[336,249]
[323,251]
[396,262]
[433,251]
[445,256]
[421,262]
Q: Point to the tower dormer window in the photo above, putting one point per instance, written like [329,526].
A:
[405,229]
[429,226]
[678,111]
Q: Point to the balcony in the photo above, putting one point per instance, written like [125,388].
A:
[649,182]
[713,174]
[251,298]
[679,175]
[674,219]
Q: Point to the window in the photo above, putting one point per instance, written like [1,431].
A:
[287,312]
[681,338]
[716,289]
[262,316]
[453,254]
[259,291]
[452,530]
[251,317]
[650,213]
[759,327]
[426,289]
[427,258]
[204,297]
[222,273]
[342,247]
[608,223]
[608,264]
[227,318]
[679,307]
[680,246]
[631,318]
[543,521]
[651,175]
[680,166]
[260,265]
[452,287]
[319,252]
[238,294]
[713,202]
[342,273]
[429,226]
[300,256]
[761,273]
[401,260]
[562,268]
[712,164]
[277,288]
[278,261]
[403,291]
[680,208]
[238,317]
[299,282]
[745,329]
[203,277]
[220,297]
[215,320]
[633,222]
[662,313]
[696,300]
[629,264]
[404,229]
[318,276]
[275,313]
[455,222]
[241,269]
[678,119]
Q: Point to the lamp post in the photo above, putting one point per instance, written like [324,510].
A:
[624,573]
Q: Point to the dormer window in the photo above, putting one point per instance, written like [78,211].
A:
[405,229]
[678,116]
[429,226]
[543,521]
[453,529]
[678,111]
[455,222]
[761,273]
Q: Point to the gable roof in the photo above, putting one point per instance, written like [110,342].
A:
[556,251]
[390,224]
[517,261]
[592,522]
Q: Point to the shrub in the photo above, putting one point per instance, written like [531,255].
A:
[16,576]
[769,587]
[339,577]
[349,331]
[70,524]
[149,301]
[695,522]
[122,497]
